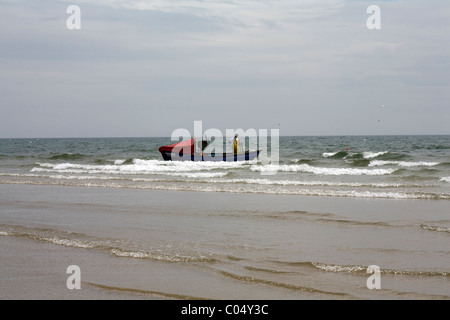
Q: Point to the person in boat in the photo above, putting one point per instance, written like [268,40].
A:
[236,144]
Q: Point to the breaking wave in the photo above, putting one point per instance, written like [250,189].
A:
[335,155]
[435,228]
[445,179]
[356,268]
[137,166]
[338,268]
[160,256]
[183,168]
[381,170]
[346,154]
[306,168]
[43,235]
[375,163]
[224,181]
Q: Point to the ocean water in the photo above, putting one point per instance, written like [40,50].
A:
[395,167]
[142,228]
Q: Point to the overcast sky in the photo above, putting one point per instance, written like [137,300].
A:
[147,67]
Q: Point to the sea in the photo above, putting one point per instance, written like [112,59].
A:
[390,167]
[334,217]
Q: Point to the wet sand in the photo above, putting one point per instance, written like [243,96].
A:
[146,244]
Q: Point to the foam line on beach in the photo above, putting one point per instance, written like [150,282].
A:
[159,256]
[235,188]
[45,237]
[435,228]
[356,268]
[362,269]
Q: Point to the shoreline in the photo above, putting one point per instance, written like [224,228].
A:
[333,194]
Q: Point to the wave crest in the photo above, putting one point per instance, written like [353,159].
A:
[376,163]
[435,228]
[306,168]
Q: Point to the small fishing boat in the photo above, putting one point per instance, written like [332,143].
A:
[193,150]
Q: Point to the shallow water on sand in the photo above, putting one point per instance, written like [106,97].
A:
[147,244]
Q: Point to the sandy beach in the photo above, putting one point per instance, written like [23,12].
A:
[146,244]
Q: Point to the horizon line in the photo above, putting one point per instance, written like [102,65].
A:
[304,135]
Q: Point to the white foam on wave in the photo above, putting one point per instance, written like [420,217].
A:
[160,256]
[80,177]
[338,268]
[183,166]
[233,188]
[357,269]
[305,168]
[29,175]
[365,154]
[236,188]
[377,163]
[435,228]
[329,154]
[119,161]
[445,179]
[55,240]
[130,254]
[371,155]
[308,183]
[138,166]
[69,242]
[198,174]
[318,192]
